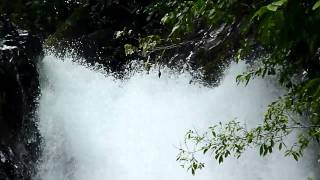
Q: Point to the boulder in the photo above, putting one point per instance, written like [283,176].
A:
[19,87]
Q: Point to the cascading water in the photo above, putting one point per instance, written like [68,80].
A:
[97,128]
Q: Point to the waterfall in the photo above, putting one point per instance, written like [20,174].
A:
[95,127]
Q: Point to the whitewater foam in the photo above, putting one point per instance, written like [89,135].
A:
[98,128]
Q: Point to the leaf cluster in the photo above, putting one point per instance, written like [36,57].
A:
[288,33]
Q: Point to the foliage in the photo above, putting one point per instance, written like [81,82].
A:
[288,33]
[183,19]
[233,138]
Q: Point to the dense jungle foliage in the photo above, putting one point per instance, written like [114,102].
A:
[280,37]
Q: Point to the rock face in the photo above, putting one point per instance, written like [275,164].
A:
[91,31]
[91,27]
[98,30]
[19,86]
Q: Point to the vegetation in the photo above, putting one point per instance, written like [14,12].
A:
[287,34]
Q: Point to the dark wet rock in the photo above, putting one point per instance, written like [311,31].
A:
[19,87]
[90,30]
[205,53]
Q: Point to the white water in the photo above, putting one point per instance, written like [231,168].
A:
[98,128]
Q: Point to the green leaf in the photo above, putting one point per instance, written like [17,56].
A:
[129,49]
[205,150]
[280,146]
[295,156]
[213,133]
[260,12]
[175,29]
[261,150]
[216,156]
[316,5]
[275,5]
[220,159]
[272,7]
[280,3]
[227,154]
[165,18]
[265,147]
[193,171]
